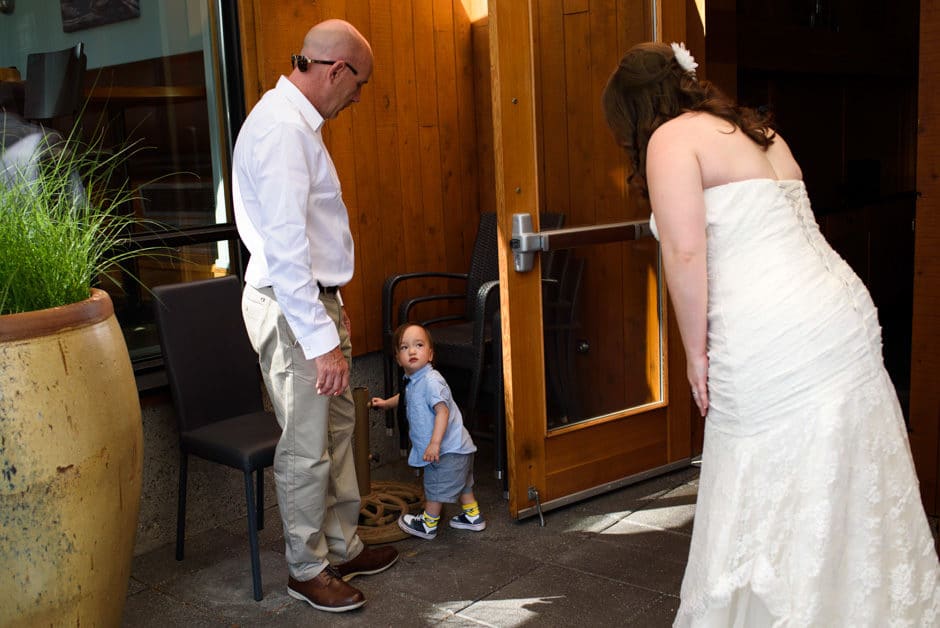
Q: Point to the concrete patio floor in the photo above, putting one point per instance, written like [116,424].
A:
[613,560]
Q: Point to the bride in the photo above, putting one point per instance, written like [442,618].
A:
[808,512]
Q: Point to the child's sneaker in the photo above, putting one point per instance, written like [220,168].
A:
[415,526]
[463,522]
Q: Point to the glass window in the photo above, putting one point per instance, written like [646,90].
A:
[154,82]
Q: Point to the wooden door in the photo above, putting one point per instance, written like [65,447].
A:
[629,416]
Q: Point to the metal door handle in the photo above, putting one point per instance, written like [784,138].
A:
[525,242]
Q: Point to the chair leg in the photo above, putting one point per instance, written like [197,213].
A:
[404,441]
[253,538]
[181,506]
[260,498]
[388,374]
[470,412]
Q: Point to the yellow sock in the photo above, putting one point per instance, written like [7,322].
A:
[472,510]
[429,521]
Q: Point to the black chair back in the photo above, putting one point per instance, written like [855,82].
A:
[54,83]
[210,364]
[484,264]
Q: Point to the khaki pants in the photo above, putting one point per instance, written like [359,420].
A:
[317,492]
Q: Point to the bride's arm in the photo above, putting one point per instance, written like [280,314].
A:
[674,179]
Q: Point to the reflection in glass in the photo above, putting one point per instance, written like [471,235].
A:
[135,301]
[603,332]
[154,82]
[160,105]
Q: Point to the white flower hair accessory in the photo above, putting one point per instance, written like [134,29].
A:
[684,58]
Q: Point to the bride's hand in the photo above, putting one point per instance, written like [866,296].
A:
[697,367]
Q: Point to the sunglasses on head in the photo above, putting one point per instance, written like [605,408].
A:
[302,63]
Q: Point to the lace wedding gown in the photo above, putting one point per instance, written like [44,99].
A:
[809,512]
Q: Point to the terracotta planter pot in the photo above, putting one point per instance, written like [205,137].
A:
[71,453]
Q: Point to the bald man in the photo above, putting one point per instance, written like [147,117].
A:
[290,215]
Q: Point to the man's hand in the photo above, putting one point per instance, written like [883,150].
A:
[332,373]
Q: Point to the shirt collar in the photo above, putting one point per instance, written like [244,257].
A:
[420,373]
[296,98]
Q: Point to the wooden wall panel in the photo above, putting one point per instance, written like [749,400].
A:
[450,110]
[407,154]
[364,137]
[484,159]
[925,359]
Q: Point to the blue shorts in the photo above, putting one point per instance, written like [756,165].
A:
[447,479]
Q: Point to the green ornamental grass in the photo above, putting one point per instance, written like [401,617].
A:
[63,230]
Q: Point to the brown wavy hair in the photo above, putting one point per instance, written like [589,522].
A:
[400,333]
[649,88]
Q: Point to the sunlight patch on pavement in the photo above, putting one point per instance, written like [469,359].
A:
[511,612]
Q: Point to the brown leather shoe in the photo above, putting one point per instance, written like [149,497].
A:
[371,560]
[326,592]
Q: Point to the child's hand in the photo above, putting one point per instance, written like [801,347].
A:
[432,453]
[378,402]
[384,404]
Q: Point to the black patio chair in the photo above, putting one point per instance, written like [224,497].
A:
[216,387]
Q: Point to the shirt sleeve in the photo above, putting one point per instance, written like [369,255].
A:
[285,159]
[438,390]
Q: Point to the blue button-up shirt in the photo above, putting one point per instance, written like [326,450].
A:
[426,389]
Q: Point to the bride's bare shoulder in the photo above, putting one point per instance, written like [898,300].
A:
[782,159]
[689,121]
[691,128]
[679,133]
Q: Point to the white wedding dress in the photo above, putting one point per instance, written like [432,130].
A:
[809,512]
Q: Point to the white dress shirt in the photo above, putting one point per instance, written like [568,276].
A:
[290,213]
